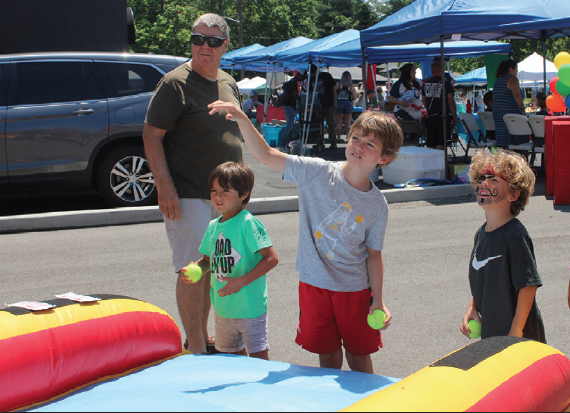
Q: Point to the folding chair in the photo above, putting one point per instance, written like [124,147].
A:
[471,127]
[452,144]
[489,126]
[537,125]
[518,125]
[413,127]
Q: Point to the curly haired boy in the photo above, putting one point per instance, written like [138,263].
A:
[502,271]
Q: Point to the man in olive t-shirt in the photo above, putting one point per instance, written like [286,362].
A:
[183,144]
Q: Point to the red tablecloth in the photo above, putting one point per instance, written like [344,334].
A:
[272,113]
[561,153]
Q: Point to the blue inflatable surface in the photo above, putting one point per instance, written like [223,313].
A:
[224,383]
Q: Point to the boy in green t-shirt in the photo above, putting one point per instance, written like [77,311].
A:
[238,254]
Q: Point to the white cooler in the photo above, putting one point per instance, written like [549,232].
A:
[415,162]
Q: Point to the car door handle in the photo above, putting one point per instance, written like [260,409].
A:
[83,112]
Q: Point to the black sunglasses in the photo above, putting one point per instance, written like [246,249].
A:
[198,40]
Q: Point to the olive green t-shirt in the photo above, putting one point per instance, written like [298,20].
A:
[195,142]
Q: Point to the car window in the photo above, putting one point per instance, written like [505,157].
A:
[125,79]
[4,84]
[52,82]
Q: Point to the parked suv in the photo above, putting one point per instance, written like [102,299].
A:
[75,120]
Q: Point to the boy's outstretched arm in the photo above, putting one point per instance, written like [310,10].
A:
[253,139]
[375,265]
[524,304]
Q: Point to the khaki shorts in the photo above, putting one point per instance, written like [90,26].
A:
[185,234]
[235,334]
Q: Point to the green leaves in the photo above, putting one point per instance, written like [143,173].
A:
[164,26]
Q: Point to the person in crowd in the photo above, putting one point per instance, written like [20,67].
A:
[345,95]
[488,101]
[238,254]
[341,237]
[507,98]
[468,107]
[326,91]
[182,148]
[360,102]
[432,100]
[405,94]
[381,98]
[251,103]
[291,91]
[541,104]
[503,275]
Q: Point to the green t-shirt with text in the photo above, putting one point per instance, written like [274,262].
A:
[233,247]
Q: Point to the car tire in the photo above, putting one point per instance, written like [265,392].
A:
[124,178]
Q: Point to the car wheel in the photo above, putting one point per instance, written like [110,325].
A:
[124,178]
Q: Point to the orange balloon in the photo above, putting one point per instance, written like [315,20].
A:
[555,103]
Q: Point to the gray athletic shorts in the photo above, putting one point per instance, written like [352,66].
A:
[235,334]
[185,234]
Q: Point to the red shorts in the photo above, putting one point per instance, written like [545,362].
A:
[330,320]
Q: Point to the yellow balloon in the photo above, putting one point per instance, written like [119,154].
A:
[561,58]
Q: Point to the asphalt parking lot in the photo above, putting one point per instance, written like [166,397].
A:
[427,249]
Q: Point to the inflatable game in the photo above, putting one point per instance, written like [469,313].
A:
[113,353]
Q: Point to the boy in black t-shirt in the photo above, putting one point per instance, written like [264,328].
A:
[502,271]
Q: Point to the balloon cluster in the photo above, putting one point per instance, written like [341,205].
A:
[560,85]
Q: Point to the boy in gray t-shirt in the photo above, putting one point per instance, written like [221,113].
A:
[341,235]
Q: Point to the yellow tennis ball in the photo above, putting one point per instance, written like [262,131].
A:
[475,328]
[376,320]
[192,272]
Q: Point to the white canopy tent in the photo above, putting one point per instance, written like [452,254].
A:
[246,85]
[532,69]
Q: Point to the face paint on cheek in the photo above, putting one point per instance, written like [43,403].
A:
[492,192]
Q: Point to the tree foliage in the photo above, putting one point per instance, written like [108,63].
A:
[164,26]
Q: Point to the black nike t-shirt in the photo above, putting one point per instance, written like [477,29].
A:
[502,263]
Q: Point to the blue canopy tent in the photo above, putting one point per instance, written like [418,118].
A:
[427,21]
[350,53]
[417,52]
[310,53]
[475,77]
[267,56]
[344,49]
[227,61]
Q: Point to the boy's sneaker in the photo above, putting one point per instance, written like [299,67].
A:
[295,147]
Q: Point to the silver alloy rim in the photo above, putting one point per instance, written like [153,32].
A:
[131,179]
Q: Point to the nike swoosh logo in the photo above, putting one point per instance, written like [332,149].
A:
[480,264]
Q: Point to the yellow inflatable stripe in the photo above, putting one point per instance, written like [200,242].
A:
[449,389]
[15,325]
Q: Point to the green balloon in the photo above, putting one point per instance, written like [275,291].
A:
[563,75]
[562,88]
